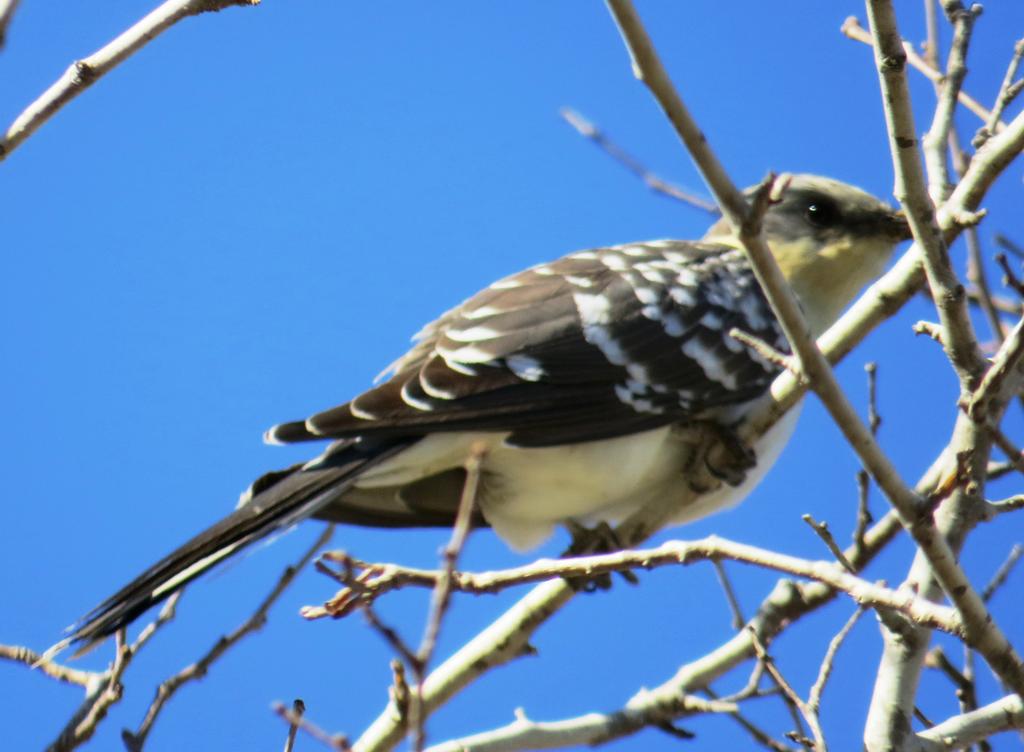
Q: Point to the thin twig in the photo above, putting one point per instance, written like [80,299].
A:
[936,141]
[965,691]
[84,722]
[814,697]
[1004,242]
[1010,278]
[1014,455]
[809,713]
[588,130]
[999,578]
[864,517]
[931,25]
[1008,91]
[298,708]
[991,395]
[337,742]
[730,595]
[195,671]
[766,351]
[1001,303]
[977,277]
[442,594]
[874,419]
[851,28]
[85,72]
[165,615]
[821,528]
[66,674]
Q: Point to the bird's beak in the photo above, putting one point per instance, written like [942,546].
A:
[897,227]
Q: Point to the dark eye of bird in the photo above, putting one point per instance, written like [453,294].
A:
[822,213]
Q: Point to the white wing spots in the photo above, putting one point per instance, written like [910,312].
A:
[712,320]
[687,278]
[601,338]
[638,373]
[709,362]
[637,387]
[465,354]
[481,312]
[577,281]
[353,407]
[635,250]
[595,314]
[509,283]
[651,312]
[640,404]
[585,255]
[526,368]
[646,295]
[677,258]
[544,270]
[753,312]
[473,334]
[615,262]
[593,309]
[433,391]
[412,401]
[683,296]
[458,367]
[653,275]
[673,324]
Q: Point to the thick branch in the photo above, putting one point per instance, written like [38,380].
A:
[911,191]
[970,728]
[7,8]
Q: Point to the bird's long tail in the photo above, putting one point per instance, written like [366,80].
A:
[275,502]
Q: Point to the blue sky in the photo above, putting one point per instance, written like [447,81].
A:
[246,221]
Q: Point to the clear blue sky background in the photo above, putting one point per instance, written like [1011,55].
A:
[247,220]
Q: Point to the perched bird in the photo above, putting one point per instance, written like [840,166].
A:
[575,377]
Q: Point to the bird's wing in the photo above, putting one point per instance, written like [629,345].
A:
[597,344]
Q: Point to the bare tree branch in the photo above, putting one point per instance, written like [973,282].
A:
[964,730]
[7,8]
[87,718]
[591,132]
[852,29]
[85,72]
[195,671]
[66,674]
[1008,91]
[392,576]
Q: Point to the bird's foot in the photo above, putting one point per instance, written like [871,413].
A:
[600,539]
[720,456]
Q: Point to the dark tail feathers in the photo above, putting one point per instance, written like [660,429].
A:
[275,502]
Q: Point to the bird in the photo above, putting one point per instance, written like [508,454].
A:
[575,381]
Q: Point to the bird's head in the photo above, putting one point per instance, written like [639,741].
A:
[830,240]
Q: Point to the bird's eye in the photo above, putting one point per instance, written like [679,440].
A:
[821,213]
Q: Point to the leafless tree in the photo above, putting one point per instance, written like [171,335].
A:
[941,183]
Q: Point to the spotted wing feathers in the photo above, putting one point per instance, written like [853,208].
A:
[597,344]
